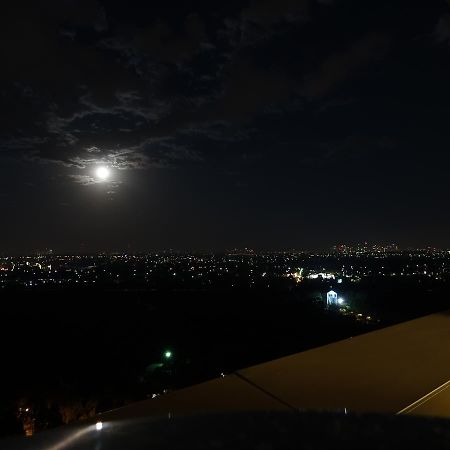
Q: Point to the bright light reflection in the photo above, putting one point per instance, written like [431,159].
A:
[69,440]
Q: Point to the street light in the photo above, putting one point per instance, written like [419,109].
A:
[168,354]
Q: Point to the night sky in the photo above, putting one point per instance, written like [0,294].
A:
[272,124]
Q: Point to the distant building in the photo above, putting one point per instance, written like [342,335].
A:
[324,276]
[332,298]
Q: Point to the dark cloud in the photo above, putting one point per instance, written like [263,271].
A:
[354,147]
[442,30]
[251,90]
[269,12]
[86,85]
[162,43]
[345,65]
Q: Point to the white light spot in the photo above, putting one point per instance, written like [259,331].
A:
[103,173]
[99,426]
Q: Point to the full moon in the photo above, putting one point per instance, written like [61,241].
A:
[103,173]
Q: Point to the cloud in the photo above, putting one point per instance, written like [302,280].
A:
[85,180]
[442,29]
[85,85]
[269,12]
[88,180]
[356,147]
[161,42]
[127,95]
[221,131]
[344,65]
[250,90]
[22,143]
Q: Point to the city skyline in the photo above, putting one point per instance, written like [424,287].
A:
[339,248]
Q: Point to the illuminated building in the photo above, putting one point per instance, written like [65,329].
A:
[332,298]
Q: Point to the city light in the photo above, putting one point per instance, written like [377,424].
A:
[341,301]
[168,354]
[99,426]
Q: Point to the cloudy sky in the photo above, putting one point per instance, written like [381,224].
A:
[270,124]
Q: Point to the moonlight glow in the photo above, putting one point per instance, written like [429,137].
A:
[103,173]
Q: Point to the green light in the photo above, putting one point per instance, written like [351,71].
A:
[168,354]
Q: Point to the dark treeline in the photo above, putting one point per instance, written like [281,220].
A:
[69,354]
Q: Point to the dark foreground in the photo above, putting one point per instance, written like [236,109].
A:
[252,430]
[69,354]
